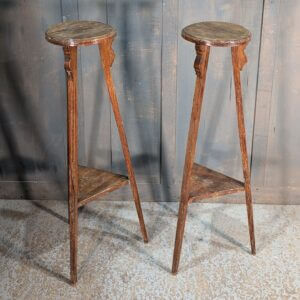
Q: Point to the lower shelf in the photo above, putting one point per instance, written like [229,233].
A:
[94,183]
[207,183]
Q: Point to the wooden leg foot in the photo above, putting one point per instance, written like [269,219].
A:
[179,236]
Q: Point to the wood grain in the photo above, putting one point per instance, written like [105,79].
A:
[238,58]
[94,183]
[74,33]
[220,34]
[87,184]
[70,65]
[206,183]
[199,182]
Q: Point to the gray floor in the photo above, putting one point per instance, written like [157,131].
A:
[114,263]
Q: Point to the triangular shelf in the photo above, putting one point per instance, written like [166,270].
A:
[94,183]
[207,183]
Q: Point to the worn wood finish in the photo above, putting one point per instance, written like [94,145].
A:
[199,182]
[87,184]
[107,58]
[70,54]
[220,34]
[94,183]
[275,171]
[200,66]
[75,33]
[206,183]
[238,61]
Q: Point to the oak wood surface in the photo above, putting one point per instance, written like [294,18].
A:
[199,182]
[94,183]
[74,33]
[87,184]
[206,183]
[70,65]
[221,34]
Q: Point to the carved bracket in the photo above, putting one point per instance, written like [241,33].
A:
[67,63]
[201,51]
[107,52]
[241,56]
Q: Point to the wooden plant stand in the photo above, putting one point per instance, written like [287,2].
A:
[88,184]
[198,181]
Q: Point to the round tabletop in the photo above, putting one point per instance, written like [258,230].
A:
[74,33]
[220,34]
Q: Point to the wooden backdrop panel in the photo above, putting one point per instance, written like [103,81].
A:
[276,157]
[32,114]
[95,140]
[137,75]
[154,77]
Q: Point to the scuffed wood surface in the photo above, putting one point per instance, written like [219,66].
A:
[207,183]
[73,33]
[94,183]
[220,34]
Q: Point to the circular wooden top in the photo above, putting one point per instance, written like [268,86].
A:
[220,34]
[74,33]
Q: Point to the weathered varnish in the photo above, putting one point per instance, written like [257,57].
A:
[88,184]
[199,182]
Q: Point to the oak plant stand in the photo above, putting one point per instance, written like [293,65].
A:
[198,181]
[88,184]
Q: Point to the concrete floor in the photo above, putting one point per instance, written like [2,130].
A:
[114,263]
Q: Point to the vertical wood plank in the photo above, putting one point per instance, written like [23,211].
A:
[69,10]
[269,41]
[32,85]
[276,144]
[137,74]
[169,99]
[96,110]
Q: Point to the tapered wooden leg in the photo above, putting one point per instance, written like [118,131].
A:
[238,60]
[200,68]
[107,58]
[71,72]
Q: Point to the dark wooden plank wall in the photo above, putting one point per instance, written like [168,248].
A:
[32,114]
[154,77]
